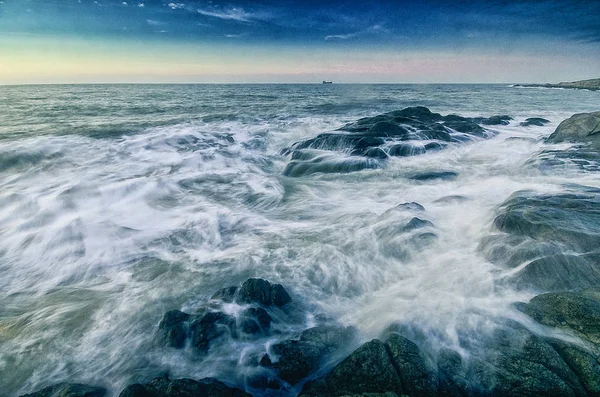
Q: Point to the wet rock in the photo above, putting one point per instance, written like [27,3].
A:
[537,121]
[452,199]
[164,387]
[376,138]
[296,359]
[552,238]
[412,206]
[452,377]
[226,295]
[209,327]
[255,321]
[417,378]
[429,176]
[69,390]
[257,290]
[581,128]
[416,223]
[494,120]
[369,369]
[172,330]
[585,364]
[575,311]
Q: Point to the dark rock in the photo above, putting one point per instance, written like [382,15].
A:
[494,120]
[451,199]
[69,390]
[369,369]
[412,206]
[226,295]
[416,377]
[575,311]
[172,330]
[429,176]
[296,359]
[537,121]
[164,387]
[209,327]
[452,378]
[374,138]
[582,128]
[406,149]
[257,290]
[255,320]
[585,364]
[416,223]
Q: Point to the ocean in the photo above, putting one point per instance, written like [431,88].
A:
[119,203]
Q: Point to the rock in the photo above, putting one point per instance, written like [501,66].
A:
[416,377]
[575,311]
[412,206]
[494,120]
[416,223]
[163,387]
[255,321]
[376,138]
[296,359]
[537,121]
[540,228]
[172,330]
[257,290]
[226,295]
[581,128]
[429,176]
[369,369]
[452,199]
[69,390]
[452,380]
[209,327]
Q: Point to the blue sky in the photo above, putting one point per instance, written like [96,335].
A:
[286,41]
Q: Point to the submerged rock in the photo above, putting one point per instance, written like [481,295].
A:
[368,142]
[433,175]
[69,390]
[164,387]
[173,329]
[581,128]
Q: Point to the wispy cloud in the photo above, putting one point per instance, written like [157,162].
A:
[375,29]
[233,14]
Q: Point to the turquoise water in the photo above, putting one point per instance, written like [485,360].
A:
[118,203]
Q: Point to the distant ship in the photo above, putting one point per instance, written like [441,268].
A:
[327,82]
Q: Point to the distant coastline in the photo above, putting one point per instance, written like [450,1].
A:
[592,85]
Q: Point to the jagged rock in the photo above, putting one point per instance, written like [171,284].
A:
[172,329]
[417,379]
[209,327]
[452,377]
[257,290]
[582,128]
[255,321]
[296,359]
[369,369]
[69,390]
[164,387]
[377,138]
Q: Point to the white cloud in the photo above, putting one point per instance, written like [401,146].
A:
[375,29]
[234,13]
[176,6]
[141,5]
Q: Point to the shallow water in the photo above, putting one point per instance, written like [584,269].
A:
[118,203]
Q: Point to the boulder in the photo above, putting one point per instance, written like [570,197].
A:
[164,387]
[209,327]
[580,128]
[172,330]
[69,390]
[537,121]
[294,360]
[257,290]
[226,294]
[255,321]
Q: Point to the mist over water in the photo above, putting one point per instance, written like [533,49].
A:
[119,203]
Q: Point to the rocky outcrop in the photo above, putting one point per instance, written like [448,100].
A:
[69,390]
[551,238]
[537,121]
[579,128]
[368,142]
[591,84]
[164,387]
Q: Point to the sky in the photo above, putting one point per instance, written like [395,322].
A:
[452,41]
